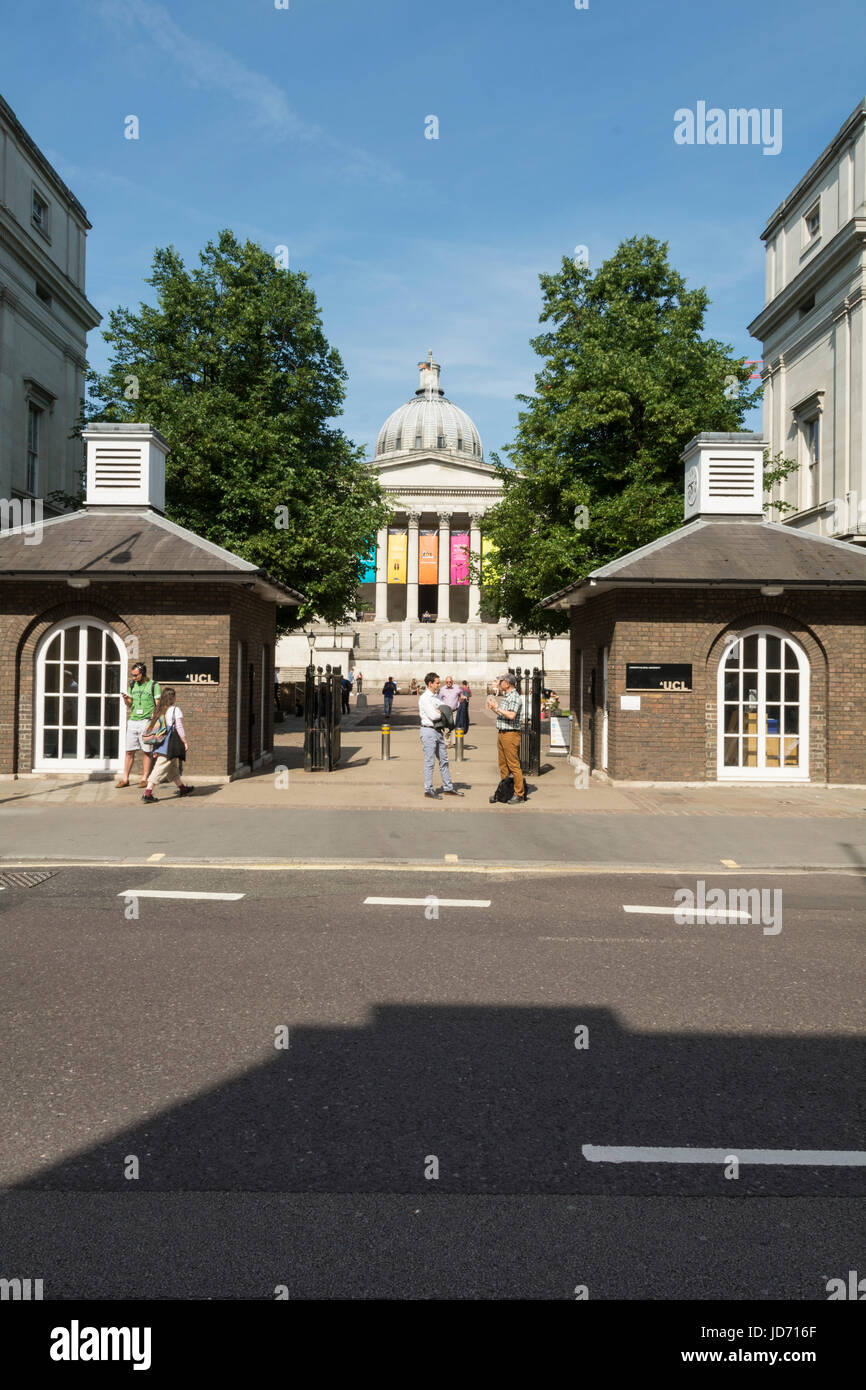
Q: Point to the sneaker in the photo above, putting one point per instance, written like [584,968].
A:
[452,791]
[148,798]
[435,795]
[184,790]
[516,801]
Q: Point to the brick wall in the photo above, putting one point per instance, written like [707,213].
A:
[183,619]
[673,737]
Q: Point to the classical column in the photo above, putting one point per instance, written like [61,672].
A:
[412,563]
[382,575]
[475,554]
[443,614]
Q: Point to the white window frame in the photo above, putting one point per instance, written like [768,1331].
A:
[43,223]
[810,237]
[35,415]
[77,764]
[238,699]
[764,774]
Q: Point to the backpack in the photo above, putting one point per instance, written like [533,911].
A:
[505,790]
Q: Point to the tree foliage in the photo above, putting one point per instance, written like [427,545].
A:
[232,366]
[627,380]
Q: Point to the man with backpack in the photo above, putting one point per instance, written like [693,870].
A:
[508,706]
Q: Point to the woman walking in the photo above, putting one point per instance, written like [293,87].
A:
[166,735]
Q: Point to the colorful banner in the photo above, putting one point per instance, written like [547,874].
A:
[489,552]
[367,565]
[459,557]
[428,557]
[398,546]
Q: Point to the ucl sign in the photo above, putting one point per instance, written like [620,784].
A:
[186,670]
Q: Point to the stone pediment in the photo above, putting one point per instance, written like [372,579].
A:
[437,472]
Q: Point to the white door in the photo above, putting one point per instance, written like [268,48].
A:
[763,700]
[80,718]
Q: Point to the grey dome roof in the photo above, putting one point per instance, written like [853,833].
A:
[441,426]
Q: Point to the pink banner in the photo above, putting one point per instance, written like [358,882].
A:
[459,557]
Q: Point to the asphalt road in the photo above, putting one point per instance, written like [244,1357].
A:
[432,1130]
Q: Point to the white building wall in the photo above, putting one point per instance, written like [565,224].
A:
[42,344]
[812,330]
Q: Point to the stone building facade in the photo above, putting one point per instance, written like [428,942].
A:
[44,320]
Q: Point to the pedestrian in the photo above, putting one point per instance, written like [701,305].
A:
[165,732]
[389,690]
[508,706]
[461,716]
[345,692]
[450,694]
[359,682]
[432,741]
[140,700]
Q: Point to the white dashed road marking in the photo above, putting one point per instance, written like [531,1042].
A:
[422,902]
[721,914]
[808,1158]
[196,897]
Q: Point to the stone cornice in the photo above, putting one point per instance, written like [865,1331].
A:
[850,240]
[33,152]
[845,137]
[39,264]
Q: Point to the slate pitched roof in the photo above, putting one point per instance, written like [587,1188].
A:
[720,552]
[114,543]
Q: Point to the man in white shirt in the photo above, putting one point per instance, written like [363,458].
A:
[432,740]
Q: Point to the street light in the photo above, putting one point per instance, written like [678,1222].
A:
[311,638]
[542,642]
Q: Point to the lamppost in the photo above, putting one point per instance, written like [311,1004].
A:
[542,642]
[311,638]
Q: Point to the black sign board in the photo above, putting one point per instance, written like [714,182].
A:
[665,676]
[186,670]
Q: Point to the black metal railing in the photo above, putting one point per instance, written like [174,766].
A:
[322,719]
[529,686]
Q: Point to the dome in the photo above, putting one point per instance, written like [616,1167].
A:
[429,422]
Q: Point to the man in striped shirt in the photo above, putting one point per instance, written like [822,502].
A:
[509,712]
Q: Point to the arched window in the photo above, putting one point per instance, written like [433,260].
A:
[417,441]
[398,442]
[763,695]
[80,672]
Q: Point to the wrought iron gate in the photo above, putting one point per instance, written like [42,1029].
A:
[322,715]
[529,686]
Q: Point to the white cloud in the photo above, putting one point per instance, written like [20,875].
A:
[206,65]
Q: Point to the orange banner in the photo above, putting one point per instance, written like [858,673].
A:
[428,557]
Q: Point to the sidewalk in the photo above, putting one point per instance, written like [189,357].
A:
[363,781]
[374,812]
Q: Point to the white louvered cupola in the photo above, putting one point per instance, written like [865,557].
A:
[724,476]
[125,466]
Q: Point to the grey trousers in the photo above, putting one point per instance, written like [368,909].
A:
[434,747]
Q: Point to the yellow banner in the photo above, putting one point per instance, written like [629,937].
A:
[398,544]
[489,553]
[428,557]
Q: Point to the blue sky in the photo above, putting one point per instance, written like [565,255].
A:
[305,127]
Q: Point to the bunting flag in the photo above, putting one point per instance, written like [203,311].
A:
[459,557]
[398,545]
[428,557]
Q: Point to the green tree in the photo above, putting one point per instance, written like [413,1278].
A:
[232,366]
[627,381]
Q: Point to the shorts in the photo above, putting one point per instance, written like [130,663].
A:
[134,730]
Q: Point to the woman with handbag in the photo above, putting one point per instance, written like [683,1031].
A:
[166,735]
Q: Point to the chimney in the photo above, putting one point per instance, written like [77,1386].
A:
[724,476]
[125,466]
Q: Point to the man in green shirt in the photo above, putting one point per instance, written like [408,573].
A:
[140,701]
